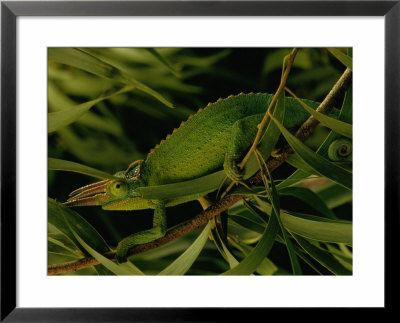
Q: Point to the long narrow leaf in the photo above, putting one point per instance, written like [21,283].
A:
[115,268]
[92,64]
[314,227]
[324,258]
[321,165]
[293,179]
[183,263]
[267,267]
[334,195]
[199,186]
[338,126]
[70,223]
[60,119]
[274,197]
[310,198]
[57,213]
[249,264]
[163,60]
[222,248]
[345,59]
[65,165]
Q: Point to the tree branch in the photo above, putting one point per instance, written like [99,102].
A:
[303,133]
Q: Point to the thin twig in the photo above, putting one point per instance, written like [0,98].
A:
[261,126]
[263,122]
[304,131]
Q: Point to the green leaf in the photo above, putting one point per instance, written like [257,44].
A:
[163,60]
[344,115]
[293,179]
[314,227]
[65,165]
[199,186]
[91,63]
[61,239]
[58,100]
[60,119]
[222,248]
[334,195]
[79,230]
[57,214]
[341,56]
[296,161]
[309,197]
[344,260]
[56,247]
[266,267]
[274,197]
[183,263]
[323,257]
[338,126]
[321,165]
[250,263]
[247,223]
[87,149]
[115,268]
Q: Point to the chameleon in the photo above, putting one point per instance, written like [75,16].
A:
[214,138]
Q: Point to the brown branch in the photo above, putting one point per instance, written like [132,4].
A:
[304,131]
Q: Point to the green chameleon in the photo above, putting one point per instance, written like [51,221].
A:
[215,138]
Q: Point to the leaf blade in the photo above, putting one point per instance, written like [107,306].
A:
[322,257]
[250,263]
[321,165]
[338,126]
[59,119]
[342,57]
[183,263]
[69,166]
[91,63]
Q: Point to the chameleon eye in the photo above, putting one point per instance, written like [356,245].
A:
[119,189]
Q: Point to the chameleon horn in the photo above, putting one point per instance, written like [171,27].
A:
[88,192]
[88,187]
[87,195]
[86,201]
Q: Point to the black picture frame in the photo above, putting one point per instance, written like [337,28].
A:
[10,10]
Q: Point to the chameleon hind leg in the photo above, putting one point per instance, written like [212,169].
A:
[242,137]
[157,231]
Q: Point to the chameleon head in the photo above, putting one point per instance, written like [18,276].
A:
[119,193]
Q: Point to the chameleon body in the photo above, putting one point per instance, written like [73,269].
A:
[215,138]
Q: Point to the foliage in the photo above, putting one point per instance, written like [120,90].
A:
[109,106]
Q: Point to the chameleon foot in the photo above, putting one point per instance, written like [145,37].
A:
[232,171]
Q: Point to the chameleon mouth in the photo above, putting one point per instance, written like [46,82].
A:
[88,195]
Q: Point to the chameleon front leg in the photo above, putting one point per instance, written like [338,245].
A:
[157,231]
[242,137]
